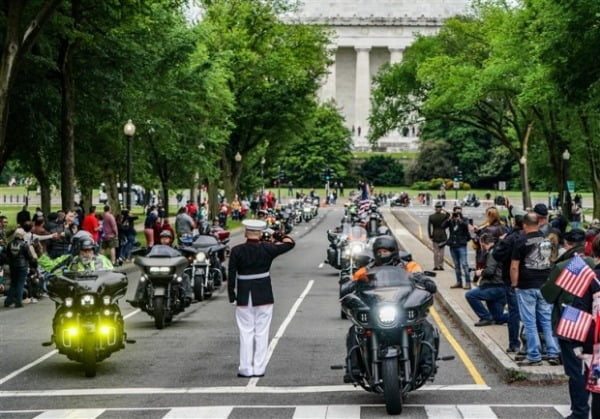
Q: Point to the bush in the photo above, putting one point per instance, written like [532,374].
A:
[421,185]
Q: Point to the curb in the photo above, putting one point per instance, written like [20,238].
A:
[492,351]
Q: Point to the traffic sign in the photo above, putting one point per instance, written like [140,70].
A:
[456,185]
[571,186]
[501,185]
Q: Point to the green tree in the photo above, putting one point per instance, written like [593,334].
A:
[275,72]
[381,170]
[324,143]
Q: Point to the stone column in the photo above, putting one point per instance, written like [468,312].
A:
[396,55]
[363,90]
[328,89]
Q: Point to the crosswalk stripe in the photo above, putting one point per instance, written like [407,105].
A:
[71,414]
[443,411]
[343,412]
[476,412]
[203,412]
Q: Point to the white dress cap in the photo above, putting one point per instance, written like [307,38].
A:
[255,225]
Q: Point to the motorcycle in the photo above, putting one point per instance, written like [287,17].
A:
[88,325]
[392,348]
[163,270]
[204,270]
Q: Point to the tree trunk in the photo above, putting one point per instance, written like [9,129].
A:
[165,190]
[67,155]
[112,193]
[231,176]
[525,192]
[46,195]
[213,199]
[594,162]
[86,198]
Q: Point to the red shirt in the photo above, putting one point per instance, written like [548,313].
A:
[91,225]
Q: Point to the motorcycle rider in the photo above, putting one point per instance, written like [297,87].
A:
[385,250]
[87,258]
[164,247]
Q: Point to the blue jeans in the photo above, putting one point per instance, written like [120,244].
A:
[532,307]
[513,318]
[18,276]
[127,247]
[461,264]
[495,299]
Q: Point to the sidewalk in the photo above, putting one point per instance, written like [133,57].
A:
[492,340]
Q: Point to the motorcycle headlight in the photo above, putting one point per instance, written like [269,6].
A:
[87,300]
[411,314]
[106,300]
[200,257]
[387,314]
[160,269]
[356,248]
[69,314]
[68,302]
[143,278]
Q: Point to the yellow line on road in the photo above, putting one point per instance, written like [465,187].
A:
[457,348]
[416,222]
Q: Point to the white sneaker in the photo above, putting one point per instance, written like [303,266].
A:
[33,300]
[26,301]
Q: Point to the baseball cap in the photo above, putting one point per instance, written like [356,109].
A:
[575,236]
[541,210]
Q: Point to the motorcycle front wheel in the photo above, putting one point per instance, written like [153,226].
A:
[198,288]
[89,356]
[159,312]
[391,386]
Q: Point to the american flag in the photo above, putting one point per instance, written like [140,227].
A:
[576,276]
[574,324]
[364,205]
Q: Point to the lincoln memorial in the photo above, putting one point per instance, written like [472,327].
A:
[367,34]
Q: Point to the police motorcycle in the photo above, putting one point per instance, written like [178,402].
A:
[205,269]
[392,347]
[88,325]
[307,211]
[162,279]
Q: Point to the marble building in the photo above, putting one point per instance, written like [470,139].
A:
[367,34]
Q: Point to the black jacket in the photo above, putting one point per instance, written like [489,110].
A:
[19,254]
[458,232]
[502,252]
[252,258]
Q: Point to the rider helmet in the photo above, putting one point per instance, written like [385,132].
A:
[388,243]
[86,244]
[166,233]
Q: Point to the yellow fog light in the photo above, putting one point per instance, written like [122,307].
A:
[105,330]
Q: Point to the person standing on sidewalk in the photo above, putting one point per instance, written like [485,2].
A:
[502,253]
[529,269]
[458,237]
[574,244]
[437,234]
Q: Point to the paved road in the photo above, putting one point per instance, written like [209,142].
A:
[189,368]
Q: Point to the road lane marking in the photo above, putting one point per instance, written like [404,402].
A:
[200,412]
[71,414]
[327,412]
[284,325]
[416,222]
[46,356]
[457,348]
[111,391]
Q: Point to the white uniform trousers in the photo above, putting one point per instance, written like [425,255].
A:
[254,323]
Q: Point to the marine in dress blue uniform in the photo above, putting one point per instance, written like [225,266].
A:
[249,265]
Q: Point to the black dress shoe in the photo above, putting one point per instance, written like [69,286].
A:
[244,376]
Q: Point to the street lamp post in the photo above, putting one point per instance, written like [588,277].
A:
[566,195]
[129,131]
[279,184]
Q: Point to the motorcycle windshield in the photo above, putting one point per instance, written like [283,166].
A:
[357,233]
[387,277]
[162,251]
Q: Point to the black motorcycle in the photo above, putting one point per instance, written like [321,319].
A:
[88,326]
[205,269]
[162,277]
[392,347]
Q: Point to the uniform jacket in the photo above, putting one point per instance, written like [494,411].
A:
[97,263]
[250,258]
[434,226]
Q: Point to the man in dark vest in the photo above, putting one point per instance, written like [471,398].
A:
[249,265]
[437,234]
